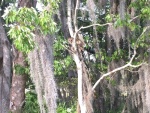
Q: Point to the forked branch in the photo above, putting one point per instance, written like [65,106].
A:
[117,69]
[129,64]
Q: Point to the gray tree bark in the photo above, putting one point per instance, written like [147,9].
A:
[5,70]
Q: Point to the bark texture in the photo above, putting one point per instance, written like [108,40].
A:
[5,70]
[17,97]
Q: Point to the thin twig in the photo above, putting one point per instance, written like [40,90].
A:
[85,27]
[144,30]
[134,18]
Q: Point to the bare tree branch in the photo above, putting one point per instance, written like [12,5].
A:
[117,69]
[134,18]
[85,27]
[69,22]
[120,68]
[75,15]
[74,34]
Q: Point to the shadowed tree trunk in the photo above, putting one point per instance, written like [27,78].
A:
[41,69]
[17,96]
[5,70]
[63,18]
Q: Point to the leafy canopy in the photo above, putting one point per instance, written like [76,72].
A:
[24,22]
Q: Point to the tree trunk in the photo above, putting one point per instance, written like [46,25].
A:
[63,18]
[17,97]
[5,70]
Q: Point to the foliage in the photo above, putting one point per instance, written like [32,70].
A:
[62,62]
[62,108]
[31,104]
[120,109]
[53,4]
[143,7]
[24,22]
[62,65]
[20,70]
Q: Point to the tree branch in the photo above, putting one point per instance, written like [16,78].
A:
[69,22]
[120,68]
[117,69]
[85,27]
[144,30]
[75,15]
[134,18]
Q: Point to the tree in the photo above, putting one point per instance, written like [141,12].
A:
[108,41]
[28,35]
[119,21]
[19,78]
